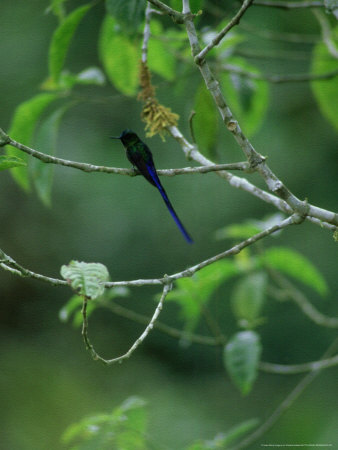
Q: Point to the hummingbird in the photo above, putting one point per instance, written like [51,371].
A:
[141,158]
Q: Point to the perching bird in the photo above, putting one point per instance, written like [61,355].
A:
[140,156]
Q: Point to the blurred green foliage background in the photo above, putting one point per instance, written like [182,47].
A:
[48,380]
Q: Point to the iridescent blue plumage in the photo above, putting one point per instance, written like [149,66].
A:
[140,156]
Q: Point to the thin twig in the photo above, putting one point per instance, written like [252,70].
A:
[217,39]
[290,5]
[170,331]
[302,302]
[292,369]
[280,36]
[150,326]
[280,78]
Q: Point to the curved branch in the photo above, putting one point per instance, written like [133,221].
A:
[150,326]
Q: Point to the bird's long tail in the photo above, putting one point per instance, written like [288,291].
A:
[159,186]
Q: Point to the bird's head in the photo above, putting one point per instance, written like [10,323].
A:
[127,137]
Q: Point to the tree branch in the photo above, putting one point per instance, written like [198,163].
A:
[48,159]
[217,39]
[292,369]
[256,160]
[167,287]
[280,78]
[176,16]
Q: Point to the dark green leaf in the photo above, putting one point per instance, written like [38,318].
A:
[8,162]
[248,297]
[86,278]
[61,41]
[46,137]
[241,358]
[294,264]
[326,91]
[129,13]
[246,97]
[22,128]
[120,57]
[205,122]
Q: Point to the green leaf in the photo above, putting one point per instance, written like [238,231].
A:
[192,293]
[222,440]
[46,137]
[8,162]
[130,13]
[61,41]
[248,98]
[124,428]
[119,56]
[241,358]
[86,278]
[294,264]
[248,297]
[205,122]
[161,59]
[22,128]
[326,91]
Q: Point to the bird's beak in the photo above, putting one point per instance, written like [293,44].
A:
[114,137]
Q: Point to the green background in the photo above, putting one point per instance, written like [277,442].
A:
[48,380]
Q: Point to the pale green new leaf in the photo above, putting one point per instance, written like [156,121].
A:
[86,278]
[61,41]
[22,128]
[246,97]
[241,357]
[8,162]
[205,122]
[326,91]
[119,56]
[294,264]
[248,296]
